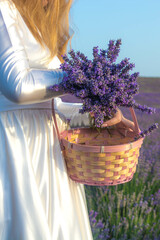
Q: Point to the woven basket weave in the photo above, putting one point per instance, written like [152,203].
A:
[108,158]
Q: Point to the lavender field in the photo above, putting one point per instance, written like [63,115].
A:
[131,211]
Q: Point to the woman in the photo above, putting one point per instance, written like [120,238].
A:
[37,199]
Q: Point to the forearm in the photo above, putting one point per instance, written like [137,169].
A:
[26,86]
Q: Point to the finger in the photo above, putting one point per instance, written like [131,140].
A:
[126,132]
[128,124]
[116,119]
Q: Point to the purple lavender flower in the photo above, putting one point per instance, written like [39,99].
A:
[148,131]
[101,84]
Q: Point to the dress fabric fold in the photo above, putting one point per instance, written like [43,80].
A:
[38,201]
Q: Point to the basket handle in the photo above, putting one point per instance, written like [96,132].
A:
[58,134]
[134,120]
[56,126]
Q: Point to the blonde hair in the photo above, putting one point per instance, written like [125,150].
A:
[49,25]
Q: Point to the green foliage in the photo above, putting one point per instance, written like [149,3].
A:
[129,208]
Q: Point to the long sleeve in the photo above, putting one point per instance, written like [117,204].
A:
[18,82]
[71,111]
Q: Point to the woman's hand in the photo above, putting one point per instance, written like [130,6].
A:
[120,121]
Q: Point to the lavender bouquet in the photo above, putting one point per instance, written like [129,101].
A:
[101,83]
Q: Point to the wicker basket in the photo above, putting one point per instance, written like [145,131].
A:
[108,158]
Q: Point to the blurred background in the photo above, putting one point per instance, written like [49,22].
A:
[136,22]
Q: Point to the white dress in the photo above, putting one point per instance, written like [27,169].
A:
[37,199]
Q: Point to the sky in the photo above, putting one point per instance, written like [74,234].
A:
[136,22]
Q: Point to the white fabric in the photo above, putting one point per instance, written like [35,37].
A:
[37,199]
